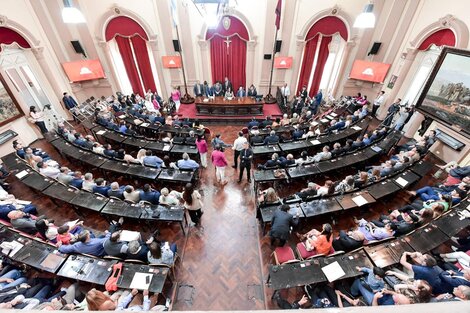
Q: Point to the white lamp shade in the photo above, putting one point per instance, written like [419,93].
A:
[366,19]
[72,15]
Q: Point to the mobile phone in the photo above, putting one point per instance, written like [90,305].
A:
[147,280]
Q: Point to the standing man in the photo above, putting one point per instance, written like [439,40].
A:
[246,155]
[285,91]
[238,145]
[226,85]
[378,102]
[198,89]
[392,110]
[69,102]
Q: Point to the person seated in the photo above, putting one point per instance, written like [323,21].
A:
[310,134]
[159,118]
[241,92]
[186,163]
[385,169]
[447,187]
[252,91]
[116,191]
[77,180]
[86,244]
[218,142]
[347,146]
[372,232]
[191,139]
[113,246]
[326,189]
[337,150]
[168,198]
[348,121]
[294,119]
[361,180]
[10,205]
[148,194]
[308,192]
[65,176]
[429,193]
[22,222]
[460,293]
[98,148]
[266,122]
[79,140]
[88,183]
[47,170]
[268,196]
[286,161]
[322,156]
[374,176]
[320,242]
[109,151]
[341,123]
[368,286]
[131,194]
[271,139]
[138,250]
[401,164]
[89,142]
[161,253]
[152,160]
[348,241]
[122,127]
[274,162]
[67,235]
[366,140]
[347,184]
[253,123]
[297,133]
[256,139]
[362,100]
[304,158]
[285,120]
[357,143]
[229,94]
[364,112]
[101,187]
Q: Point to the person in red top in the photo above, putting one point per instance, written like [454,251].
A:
[321,242]
[201,145]
[220,162]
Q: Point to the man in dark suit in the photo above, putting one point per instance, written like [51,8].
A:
[456,279]
[246,155]
[227,84]
[253,123]
[281,224]
[198,89]
[69,102]
[348,241]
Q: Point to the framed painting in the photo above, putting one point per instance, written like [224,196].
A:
[446,94]
[9,108]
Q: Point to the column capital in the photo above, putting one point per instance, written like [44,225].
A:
[38,52]
[251,45]
[203,44]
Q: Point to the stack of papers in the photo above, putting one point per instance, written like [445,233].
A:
[127,235]
[401,181]
[324,120]
[101,132]
[166,148]
[22,174]
[333,271]
[144,124]
[356,128]
[11,248]
[359,200]
[333,114]
[140,281]
[315,142]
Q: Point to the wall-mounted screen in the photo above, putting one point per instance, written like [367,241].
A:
[83,70]
[369,71]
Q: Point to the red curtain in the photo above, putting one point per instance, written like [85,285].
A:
[307,62]
[9,36]
[229,62]
[124,26]
[143,61]
[125,50]
[443,37]
[321,60]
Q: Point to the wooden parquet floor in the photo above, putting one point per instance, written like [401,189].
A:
[224,264]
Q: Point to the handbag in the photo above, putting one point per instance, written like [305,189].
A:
[111,283]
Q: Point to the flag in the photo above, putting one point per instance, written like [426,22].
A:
[173,11]
[278,14]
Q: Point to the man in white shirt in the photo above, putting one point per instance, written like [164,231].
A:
[47,170]
[378,102]
[237,147]
[285,91]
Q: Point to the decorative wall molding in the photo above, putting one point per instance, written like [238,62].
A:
[334,11]
[6,22]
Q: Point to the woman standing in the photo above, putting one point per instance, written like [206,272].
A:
[220,162]
[193,203]
[201,145]
[38,119]
[176,96]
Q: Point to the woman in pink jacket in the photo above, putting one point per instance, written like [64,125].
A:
[176,96]
[220,162]
[201,145]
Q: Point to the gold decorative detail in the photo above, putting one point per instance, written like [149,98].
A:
[226,22]
[117,10]
[3,20]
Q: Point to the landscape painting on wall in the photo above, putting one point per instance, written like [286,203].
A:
[9,109]
[446,95]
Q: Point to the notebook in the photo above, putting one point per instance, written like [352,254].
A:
[140,281]
[333,271]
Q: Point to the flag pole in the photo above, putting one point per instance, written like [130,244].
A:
[269,97]
[186,99]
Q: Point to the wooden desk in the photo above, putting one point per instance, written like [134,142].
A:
[222,106]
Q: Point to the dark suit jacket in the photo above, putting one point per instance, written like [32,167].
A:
[281,223]
[345,243]
[225,87]
[246,155]
[454,280]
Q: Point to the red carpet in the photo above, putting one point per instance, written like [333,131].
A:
[189,110]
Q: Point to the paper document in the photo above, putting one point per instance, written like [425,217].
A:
[359,200]
[356,128]
[166,148]
[140,281]
[401,181]
[22,174]
[324,120]
[23,202]
[329,117]
[51,261]
[127,235]
[315,142]
[144,124]
[333,114]
[333,271]
[101,132]
[122,116]
[11,248]
[314,123]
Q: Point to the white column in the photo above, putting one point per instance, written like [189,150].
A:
[347,51]
[300,46]
[153,42]
[413,125]
[204,45]
[250,62]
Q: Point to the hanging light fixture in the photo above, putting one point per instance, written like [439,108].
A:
[366,19]
[70,14]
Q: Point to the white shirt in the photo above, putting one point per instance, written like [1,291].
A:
[238,143]
[285,91]
[379,100]
[49,171]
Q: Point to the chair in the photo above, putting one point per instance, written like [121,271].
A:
[335,253]
[245,130]
[129,201]
[303,253]
[145,202]
[98,194]
[135,261]
[73,188]
[115,198]
[284,255]
[110,257]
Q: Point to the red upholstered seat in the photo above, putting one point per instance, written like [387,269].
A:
[304,254]
[284,254]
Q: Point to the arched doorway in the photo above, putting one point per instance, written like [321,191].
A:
[325,43]
[228,43]
[130,53]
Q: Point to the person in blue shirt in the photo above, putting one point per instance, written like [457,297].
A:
[253,123]
[77,180]
[390,297]
[271,139]
[101,187]
[297,133]
[372,283]
[79,140]
[318,97]
[358,143]
[365,140]
[241,92]
[152,160]
[109,151]
[455,279]
[186,163]
[69,102]
[187,122]
[116,191]
[86,244]
[149,195]
[7,208]
[338,125]
[159,118]
[123,128]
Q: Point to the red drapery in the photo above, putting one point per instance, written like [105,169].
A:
[443,37]
[229,61]
[307,63]
[328,26]
[9,36]
[125,50]
[124,26]
[323,53]
[143,61]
